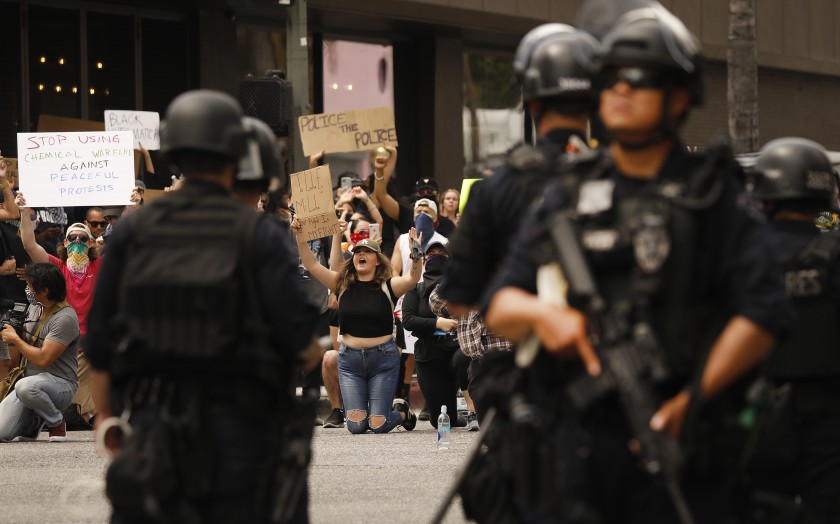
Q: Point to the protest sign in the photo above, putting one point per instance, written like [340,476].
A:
[54,124]
[466,185]
[76,169]
[150,195]
[312,196]
[11,169]
[347,131]
[144,124]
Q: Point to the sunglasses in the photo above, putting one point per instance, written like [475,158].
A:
[98,224]
[80,238]
[635,77]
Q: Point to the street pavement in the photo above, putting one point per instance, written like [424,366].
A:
[397,477]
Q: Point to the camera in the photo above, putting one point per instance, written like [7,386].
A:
[15,315]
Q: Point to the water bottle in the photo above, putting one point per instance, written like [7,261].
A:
[444,430]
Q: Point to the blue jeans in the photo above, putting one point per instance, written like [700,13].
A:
[43,396]
[368,379]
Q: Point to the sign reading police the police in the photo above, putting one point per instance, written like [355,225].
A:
[76,169]
[313,200]
[347,131]
[144,124]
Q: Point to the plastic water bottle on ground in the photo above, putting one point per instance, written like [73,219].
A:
[444,430]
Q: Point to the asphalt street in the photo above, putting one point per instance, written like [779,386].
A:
[397,477]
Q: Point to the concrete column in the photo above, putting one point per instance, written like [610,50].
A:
[297,64]
[448,141]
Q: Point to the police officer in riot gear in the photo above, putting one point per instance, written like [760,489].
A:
[796,460]
[197,327]
[682,268]
[551,65]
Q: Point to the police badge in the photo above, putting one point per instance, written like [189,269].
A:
[651,243]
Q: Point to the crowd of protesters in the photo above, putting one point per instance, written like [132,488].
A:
[372,282]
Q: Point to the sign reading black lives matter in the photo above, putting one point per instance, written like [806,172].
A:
[347,131]
[144,124]
[76,169]
[313,200]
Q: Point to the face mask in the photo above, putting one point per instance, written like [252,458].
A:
[435,264]
[77,258]
[355,238]
[30,296]
[425,225]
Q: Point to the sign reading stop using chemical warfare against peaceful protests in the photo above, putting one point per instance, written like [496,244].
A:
[76,169]
[347,131]
[144,124]
[312,196]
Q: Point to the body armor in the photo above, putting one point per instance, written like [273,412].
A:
[813,347]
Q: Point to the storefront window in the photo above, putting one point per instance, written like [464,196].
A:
[110,63]
[10,99]
[54,63]
[356,76]
[492,116]
[166,71]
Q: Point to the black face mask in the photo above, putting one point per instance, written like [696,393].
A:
[435,267]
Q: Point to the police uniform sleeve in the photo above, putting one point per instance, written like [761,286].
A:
[101,338]
[748,272]
[470,255]
[290,316]
[519,268]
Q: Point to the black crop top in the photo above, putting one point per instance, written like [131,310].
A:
[365,311]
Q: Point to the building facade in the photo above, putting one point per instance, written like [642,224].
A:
[444,65]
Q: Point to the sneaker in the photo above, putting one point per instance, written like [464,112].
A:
[460,421]
[410,418]
[335,419]
[32,436]
[472,421]
[424,414]
[59,433]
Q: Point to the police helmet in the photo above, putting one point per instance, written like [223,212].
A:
[559,66]
[653,37]
[526,46]
[793,169]
[270,164]
[204,121]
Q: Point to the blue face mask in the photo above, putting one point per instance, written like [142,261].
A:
[425,225]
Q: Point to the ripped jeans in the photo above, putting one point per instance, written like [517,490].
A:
[368,378]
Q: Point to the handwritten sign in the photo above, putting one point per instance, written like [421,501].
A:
[347,131]
[11,169]
[76,169]
[313,200]
[144,124]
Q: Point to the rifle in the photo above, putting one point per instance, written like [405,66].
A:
[631,362]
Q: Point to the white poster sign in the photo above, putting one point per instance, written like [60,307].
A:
[76,169]
[144,124]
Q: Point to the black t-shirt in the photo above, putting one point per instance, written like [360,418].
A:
[365,310]
[737,264]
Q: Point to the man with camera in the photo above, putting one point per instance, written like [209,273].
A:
[47,340]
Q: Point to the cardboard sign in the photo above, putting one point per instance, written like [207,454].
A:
[347,131]
[11,169]
[312,196]
[76,169]
[144,124]
[150,195]
[54,124]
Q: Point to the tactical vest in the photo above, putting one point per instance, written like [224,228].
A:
[643,251]
[183,296]
[813,347]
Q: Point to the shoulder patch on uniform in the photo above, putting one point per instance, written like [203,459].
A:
[525,158]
